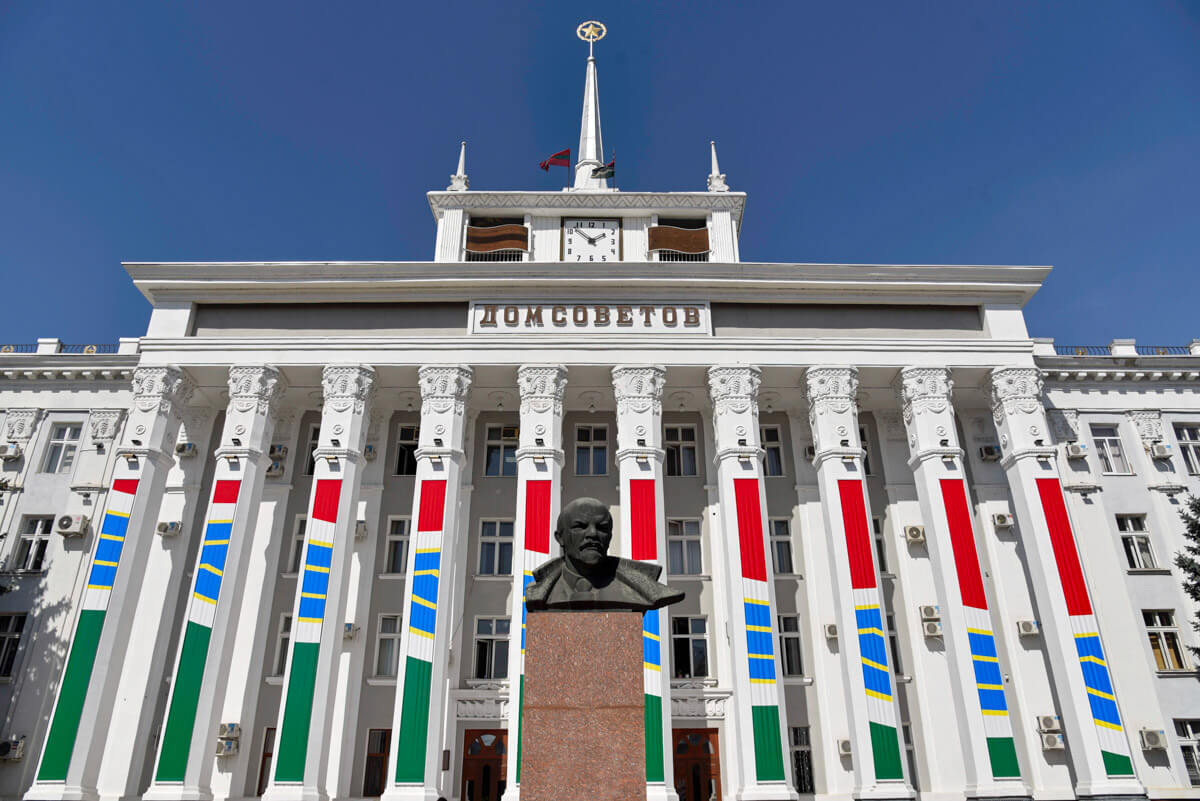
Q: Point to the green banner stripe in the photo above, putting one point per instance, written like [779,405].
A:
[297,713]
[768,748]
[654,739]
[1002,752]
[885,747]
[1117,764]
[520,713]
[414,722]
[60,742]
[185,700]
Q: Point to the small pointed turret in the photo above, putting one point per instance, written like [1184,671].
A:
[716,179]
[591,145]
[459,181]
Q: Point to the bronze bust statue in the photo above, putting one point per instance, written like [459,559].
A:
[586,577]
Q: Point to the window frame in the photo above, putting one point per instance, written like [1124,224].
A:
[12,627]
[1169,640]
[879,538]
[678,447]
[406,450]
[1131,537]
[1187,732]
[314,440]
[790,637]
[34,539]
[776,539]
[1189,446]
[296,552]
[1104,453]
[499,540]
[591,446]
[800,742]
[774,446]
[692,638]
[492,638]
[64,458]
[393,637]
[864,442]
[283,643]
[684,538]
[503,445]
[393,538]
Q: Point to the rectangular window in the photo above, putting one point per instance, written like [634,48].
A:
[773,445]
[264,765]
[396,558]
[495,547]
[1136,542]
[866,449]
[880,543]
[1189,446]
[789,645]
[689,647]
[387,646]
[910,753]
[1108,449]
[295,550]
[680,444]
[31,548]
[379,742]
[314,437]
[11,627]
[406,451]
[802,765]
[1188,732]
[1164,639]
[894,644]
[64,443]
[781,546]
[683,548]
[500,455]
[282,640]
[591,450]
[491,648]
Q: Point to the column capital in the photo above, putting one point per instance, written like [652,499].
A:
[542,387]
[923,390]
[165,390]
[256,388]
[347,386]
[445,387]
[19,424]
[103,424]
[639,388]
[1014,389]
[831,388]
[733,388]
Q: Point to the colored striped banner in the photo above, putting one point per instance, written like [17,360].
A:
[110,542]
[643,536]
[536,550]
[189,673]
[1101,696]
[989,683]
[872,633]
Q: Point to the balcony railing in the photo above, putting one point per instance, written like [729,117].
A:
[1082,350]
[18,348]
[89,350]
[1163,350]
[1107,350]
[674,255]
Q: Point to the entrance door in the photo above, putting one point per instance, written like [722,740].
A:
[485,764]
[697,765]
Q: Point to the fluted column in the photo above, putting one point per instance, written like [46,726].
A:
[638,390]
[1097,744]
[539,498]
[87,694]
[304,747]
[981,709]
[869,679]
[761,770]
[415,758]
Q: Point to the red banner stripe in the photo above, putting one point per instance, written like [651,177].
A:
[325,499]
[962,540]
[127,486]
[433,505]
[226,491]
[1066,555]
[858,534]
[537,516]
[643,514]
[750,532]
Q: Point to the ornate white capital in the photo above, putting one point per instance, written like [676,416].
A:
[19,424]
[164,389]
[445,387]
[103,424]
[347,386]
[1148,423]
[830,389]
[923,389]
[255,388]
[1015,389]
[639,388]
[733,389]
[542,388]
[1064,424]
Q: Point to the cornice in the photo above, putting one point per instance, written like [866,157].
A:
[637,202]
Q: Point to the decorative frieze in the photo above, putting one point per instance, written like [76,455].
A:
[1148,424]
[1015,390]
[165,390]
[19,424]
[923,389]
[445,387]
[255,388]
[542,388]
[690,704]
[348,386]
[639,389]
[103,424]
[733,389]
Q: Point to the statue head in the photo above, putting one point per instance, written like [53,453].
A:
[584,531]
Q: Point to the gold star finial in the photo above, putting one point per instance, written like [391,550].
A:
[591,31]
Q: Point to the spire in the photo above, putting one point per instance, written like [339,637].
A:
[459,181]
[591,145]
[716,179]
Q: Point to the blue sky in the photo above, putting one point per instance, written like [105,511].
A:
[1061,133]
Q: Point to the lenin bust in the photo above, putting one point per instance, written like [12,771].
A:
[586,577]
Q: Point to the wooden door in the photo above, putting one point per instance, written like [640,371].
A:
[485,764]
[697,765]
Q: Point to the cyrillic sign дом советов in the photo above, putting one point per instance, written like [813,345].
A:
[599,318]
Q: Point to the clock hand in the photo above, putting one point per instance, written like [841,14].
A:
[597,239]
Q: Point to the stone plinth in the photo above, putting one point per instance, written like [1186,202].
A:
[583,727]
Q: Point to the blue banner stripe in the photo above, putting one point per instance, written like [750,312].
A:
[877,680]
[650,651]
[982,644]
[422,618]
[758,615]
[1104,709]
[649,621]
[873,648]
[208,584]
[114,525]
[426,588]
[987,673]
[313,608]
[1096,677]
[218,531]
[992,700]
[214,555]
[315,582]
[1089,646]
[759,642]
[102,575]
[319,555]
[868,618]
[762,669]
[427,561]
[108,551]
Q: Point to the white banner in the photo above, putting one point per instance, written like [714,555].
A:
[522,317]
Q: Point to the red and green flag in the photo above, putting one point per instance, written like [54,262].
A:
[560,159]
[608,170]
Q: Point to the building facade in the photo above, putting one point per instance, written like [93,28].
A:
[277,546]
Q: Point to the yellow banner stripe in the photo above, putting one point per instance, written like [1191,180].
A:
[1088,634]
[880,696]
[316,569]
[420,633]
[99,586]
[762,681]
[426,573]
[1107,725]
[761,656]
[318,595]
[1101,694]
[212,570]
[310,620]
[219,522]
[645,634]
[421,601]
[871,631]
[766,629]
[1094,660]
[648,666]
[875,665]
[206,600]
[106,564]
[216,542]
[319,543]
[995,712]
[756,601]
[866,606]
[112,537]
[985,658]
[984,632]
[115,513]
[990,686]
[435,550]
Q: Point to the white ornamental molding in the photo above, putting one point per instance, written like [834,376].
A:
[1064,424]
[20,423]
[733,202]
[830,389]
[542,388]
[1015,389]
[489,708]
[103,424]
[255,388]
[165,390]
[733,389]
[445,387]
[639,388]
[348,386]
[923,389]
[697,705]
[1148,423]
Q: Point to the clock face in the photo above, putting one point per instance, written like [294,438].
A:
[591,240]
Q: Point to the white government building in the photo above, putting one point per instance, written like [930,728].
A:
[277,545]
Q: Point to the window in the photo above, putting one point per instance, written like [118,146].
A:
[910,753]
[314,436]
[689,647]
[680,443]
[1164,639]
[11,627]
[501,453]
[802,766]
[789,645]
[31,548]
[1108,448]
[773,445]
[591,450]
[387,645]
[282,640]
[491,648]
[1188,732]
[1136,542]
[880,543]
[268,754]
[396,558]
[1189,446]
[296,551]
[379,742]
[866,449]
[894,644]
[683,548]
[60,453]
[495,547]
[406,453]
[781,546]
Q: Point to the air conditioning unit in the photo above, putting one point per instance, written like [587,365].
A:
[227,748]
[350,631]
[1049,723]
[931,628]
[1153,739]
[71,525]
[229,731]
[1075,450]
[1052,742]
[831,631]
[914,535]
[1160,450]
[185,449]
[274,470]
[277,453]
[12,749]
[930,612]
[1028,628]
[810,452]
[1002,520]
[10,451]
[843,748]
[170,528]
[370,452]
[360,530]
[989,453]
